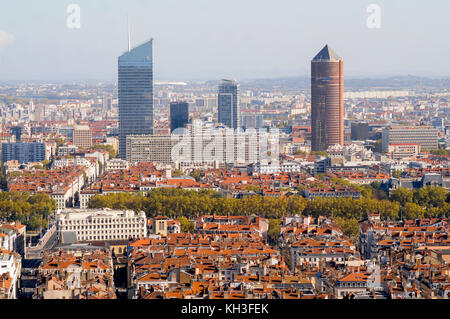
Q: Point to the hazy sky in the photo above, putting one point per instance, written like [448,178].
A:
[211,39]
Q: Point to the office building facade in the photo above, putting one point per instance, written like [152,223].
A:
[359,131]
[216,147]
[179,115]
[135,88]
[427,137]
[101,224]
[228,101]
[23,152]
[327,100]
[82,136]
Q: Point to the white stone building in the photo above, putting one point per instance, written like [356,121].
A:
[102,224]
[10,268]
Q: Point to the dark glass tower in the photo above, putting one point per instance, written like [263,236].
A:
[179,115]
[327,100]
[228,104]
[135,93]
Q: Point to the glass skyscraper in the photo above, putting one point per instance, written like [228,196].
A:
[228,104]
[179,115]
[135,93]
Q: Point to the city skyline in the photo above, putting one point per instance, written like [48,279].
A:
[224,160]
[212,49]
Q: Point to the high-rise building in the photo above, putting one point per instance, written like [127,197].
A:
[205,145]
[82,136]
[327,100]
[23,152]
[135,93]
[179,115]
[228,104]
[39,113]
[107,103]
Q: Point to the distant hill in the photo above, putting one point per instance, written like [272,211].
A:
[398,82]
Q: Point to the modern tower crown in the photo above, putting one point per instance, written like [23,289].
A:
[141,53]
[327,54]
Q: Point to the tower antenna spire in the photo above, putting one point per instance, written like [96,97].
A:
[129,35]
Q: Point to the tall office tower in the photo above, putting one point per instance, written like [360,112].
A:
[179,115]
[327,100]
[82,136]
[135,93]
[228,104]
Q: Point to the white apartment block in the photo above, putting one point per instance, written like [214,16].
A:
[102,224]
[10,268]
[63,150]
[403,151]
[116,164]
[205,146]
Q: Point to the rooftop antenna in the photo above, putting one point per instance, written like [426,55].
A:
[129,43]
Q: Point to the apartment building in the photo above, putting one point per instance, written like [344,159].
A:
[210,146]
[10,268]
[76,274]
[403,151]
[116,164]
[82,136]
[12,237]
[23,152]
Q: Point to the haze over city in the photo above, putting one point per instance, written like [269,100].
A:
[203,39]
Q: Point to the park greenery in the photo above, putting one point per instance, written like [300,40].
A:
[176,202]
[30,210]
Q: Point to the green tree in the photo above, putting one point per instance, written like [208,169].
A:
[402,195]
[319,153]
[397,173]
[349,227]
[197,174]
[274,230]
[107,147]
[177,173]
[412,211]
[187,226]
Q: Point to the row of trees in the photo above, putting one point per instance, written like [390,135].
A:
[30,210]
[422,202]
[178,202]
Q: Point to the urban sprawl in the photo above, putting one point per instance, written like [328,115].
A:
[278,190]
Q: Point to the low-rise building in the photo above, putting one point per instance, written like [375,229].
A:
[10,268]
